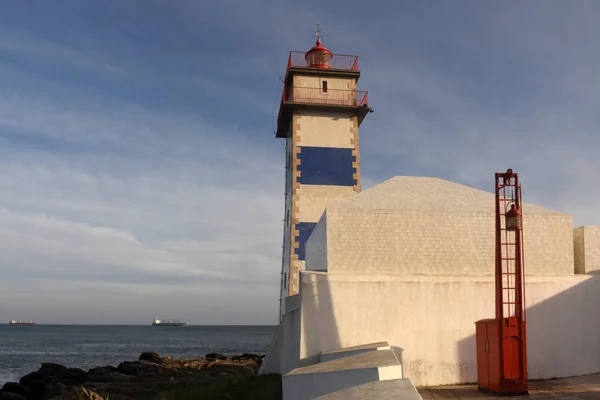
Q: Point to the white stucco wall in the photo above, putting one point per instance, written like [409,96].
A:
[314,81]
[586,247]
[417,242]
[321,129]
[430,321]
[316,246]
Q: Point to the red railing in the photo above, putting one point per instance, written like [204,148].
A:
[338,61]
[310,95]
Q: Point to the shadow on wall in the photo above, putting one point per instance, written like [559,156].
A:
[398,352]
[563,333]
[319,330]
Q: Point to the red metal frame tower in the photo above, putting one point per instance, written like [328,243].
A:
[501,342]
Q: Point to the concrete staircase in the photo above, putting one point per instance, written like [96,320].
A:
[373,369]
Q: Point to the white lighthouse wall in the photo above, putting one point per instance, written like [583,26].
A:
[287,222]
[320,129]
[312,81]
[314,130]
[429,321]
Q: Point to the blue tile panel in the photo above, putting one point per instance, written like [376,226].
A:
[326,166]
[305,229]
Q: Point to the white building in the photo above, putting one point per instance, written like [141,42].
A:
[411,262]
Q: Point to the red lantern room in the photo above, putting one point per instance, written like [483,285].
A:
[319,56]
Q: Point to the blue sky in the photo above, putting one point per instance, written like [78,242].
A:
[140,176]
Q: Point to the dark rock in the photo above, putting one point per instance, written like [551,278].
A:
[69,376]
[138,367]
[137,380]
[129,368]
[101,371]
[54,367]
[215,356]
[215,368]
[76,371]
[17,388]
[33,376]
[54,390]
[151,357]
[36,381]
[11,396]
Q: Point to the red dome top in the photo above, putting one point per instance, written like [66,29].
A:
[318,48]
[319,56]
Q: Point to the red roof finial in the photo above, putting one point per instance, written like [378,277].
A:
[318,33]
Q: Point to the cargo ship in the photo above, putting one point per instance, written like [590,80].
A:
[160,322]
[19,322]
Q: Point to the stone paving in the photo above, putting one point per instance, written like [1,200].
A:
[548,389]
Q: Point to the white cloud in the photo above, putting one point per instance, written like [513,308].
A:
[162,202]
[22,43]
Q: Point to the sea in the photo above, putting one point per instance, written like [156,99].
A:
[24,347]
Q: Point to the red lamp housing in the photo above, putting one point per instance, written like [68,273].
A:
[318,57]
[513,218]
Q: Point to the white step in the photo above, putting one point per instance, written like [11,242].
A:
[316,380]
[350,351]
[395,389]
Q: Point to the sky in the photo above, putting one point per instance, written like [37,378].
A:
[140,177]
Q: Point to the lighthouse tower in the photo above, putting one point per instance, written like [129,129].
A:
[319,117]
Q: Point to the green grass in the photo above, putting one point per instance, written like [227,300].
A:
[84,394]
[262,387]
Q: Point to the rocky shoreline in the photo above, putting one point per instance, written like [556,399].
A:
[150,377]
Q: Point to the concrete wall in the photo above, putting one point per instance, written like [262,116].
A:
[429,321]
[412,242]
[284,351]
[579,250]
[272,362]
[316,247]
[586,248]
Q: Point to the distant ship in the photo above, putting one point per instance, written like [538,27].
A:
[159,322]
[19,322]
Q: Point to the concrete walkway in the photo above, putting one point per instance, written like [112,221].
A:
[579,388]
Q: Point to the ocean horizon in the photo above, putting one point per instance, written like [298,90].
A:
[24,347]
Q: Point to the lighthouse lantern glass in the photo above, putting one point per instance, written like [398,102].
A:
[319,59]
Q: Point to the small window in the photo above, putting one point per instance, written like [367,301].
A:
[324,86]
[285,280]
[287,218]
